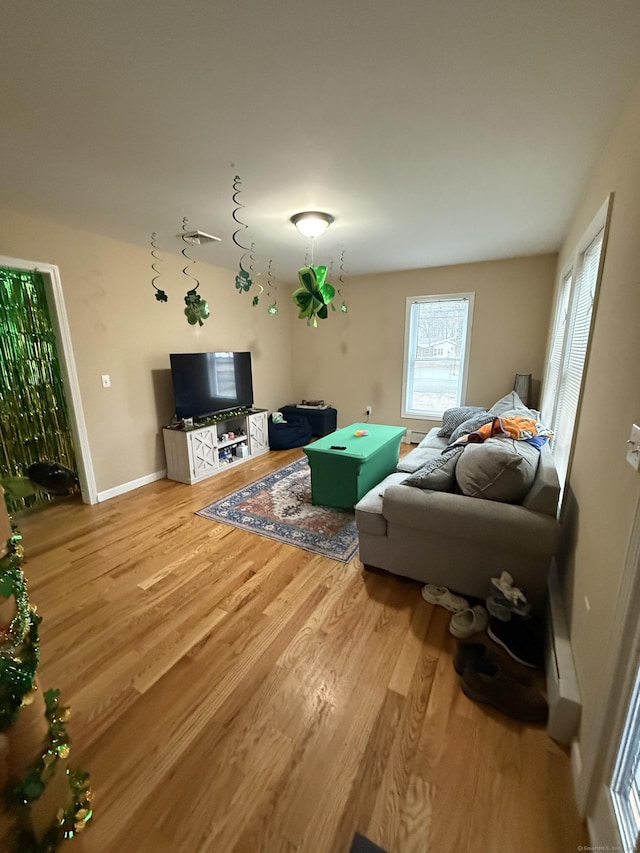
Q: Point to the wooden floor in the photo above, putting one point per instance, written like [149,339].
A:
[231,694]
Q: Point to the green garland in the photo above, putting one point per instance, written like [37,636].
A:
[19,658]
[68,822]
[19,644]
[40,774]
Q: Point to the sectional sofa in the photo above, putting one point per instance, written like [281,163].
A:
[461,517]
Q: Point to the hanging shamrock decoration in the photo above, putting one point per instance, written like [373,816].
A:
[161,296]
[314,295]
[243,281]
[197,309]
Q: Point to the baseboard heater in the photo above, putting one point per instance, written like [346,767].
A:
[414,437]
[563,695]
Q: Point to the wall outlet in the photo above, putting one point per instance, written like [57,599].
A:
[106,380]
[368,410]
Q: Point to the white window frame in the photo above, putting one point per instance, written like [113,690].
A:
[409,334]
[562,370]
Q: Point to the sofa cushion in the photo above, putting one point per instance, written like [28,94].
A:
[471,425]
[438,474]
[452,418]
[369,517]
[415,459]
[499,469]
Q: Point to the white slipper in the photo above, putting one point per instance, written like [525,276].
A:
[505,584]
[468,622]
[441,595]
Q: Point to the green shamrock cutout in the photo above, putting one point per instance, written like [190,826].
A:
[243,281]
[197,309]
[314,295]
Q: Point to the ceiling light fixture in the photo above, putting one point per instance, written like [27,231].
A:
[312,223]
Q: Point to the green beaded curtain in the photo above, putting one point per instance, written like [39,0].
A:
[34,420]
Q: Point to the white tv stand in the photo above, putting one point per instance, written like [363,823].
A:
[197,452]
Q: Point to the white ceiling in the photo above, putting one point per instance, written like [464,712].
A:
[435,132]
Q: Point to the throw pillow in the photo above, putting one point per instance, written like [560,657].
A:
[507,404]
[472,425]
[438,474]
[499,469]
[452,418]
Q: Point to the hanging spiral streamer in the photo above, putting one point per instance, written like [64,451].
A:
[186,257]
[343,304]
[256,298]
[272,310]
[243,279]
[161,296]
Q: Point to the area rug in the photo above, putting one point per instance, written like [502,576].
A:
[279,507]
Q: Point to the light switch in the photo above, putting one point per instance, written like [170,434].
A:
[633,448]
[106,380]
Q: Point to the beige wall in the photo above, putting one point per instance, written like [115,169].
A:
[355,359]
[117,327]
[604,488]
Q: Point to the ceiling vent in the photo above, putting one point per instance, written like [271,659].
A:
[198,238]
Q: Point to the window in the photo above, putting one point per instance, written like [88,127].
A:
[437,338]
[571,333]
[625,787]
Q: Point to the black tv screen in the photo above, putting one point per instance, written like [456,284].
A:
[205,383]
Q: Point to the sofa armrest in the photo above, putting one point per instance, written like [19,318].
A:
[446,514]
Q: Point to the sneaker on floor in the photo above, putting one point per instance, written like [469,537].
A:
[487,683]
[470,621]
[522,639]
[476,654]
[441,595]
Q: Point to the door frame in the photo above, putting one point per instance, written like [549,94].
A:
[592,784]
[57,308]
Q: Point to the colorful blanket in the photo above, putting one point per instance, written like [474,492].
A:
[518,427]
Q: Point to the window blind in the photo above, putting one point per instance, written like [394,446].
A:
[554,363]
[577,333]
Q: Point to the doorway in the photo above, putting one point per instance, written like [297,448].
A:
[49,277]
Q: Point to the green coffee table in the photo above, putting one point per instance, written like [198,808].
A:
[339,478]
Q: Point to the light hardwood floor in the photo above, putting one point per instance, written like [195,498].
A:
[233,695]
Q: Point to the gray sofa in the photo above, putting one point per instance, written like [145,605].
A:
[431,531]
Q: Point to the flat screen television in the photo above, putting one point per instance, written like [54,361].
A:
[205,383]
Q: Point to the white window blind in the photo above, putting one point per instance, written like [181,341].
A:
[569,343]
[575,353]
[554,362]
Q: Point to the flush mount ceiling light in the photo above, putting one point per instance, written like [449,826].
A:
[312,223]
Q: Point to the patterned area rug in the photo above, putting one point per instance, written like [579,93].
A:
[279,506]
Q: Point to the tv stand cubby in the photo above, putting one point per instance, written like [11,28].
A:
[199,451]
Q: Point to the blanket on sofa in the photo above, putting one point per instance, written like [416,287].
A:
[518,427]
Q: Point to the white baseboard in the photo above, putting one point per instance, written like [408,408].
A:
[129,487]
[563,694]
[576,768]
